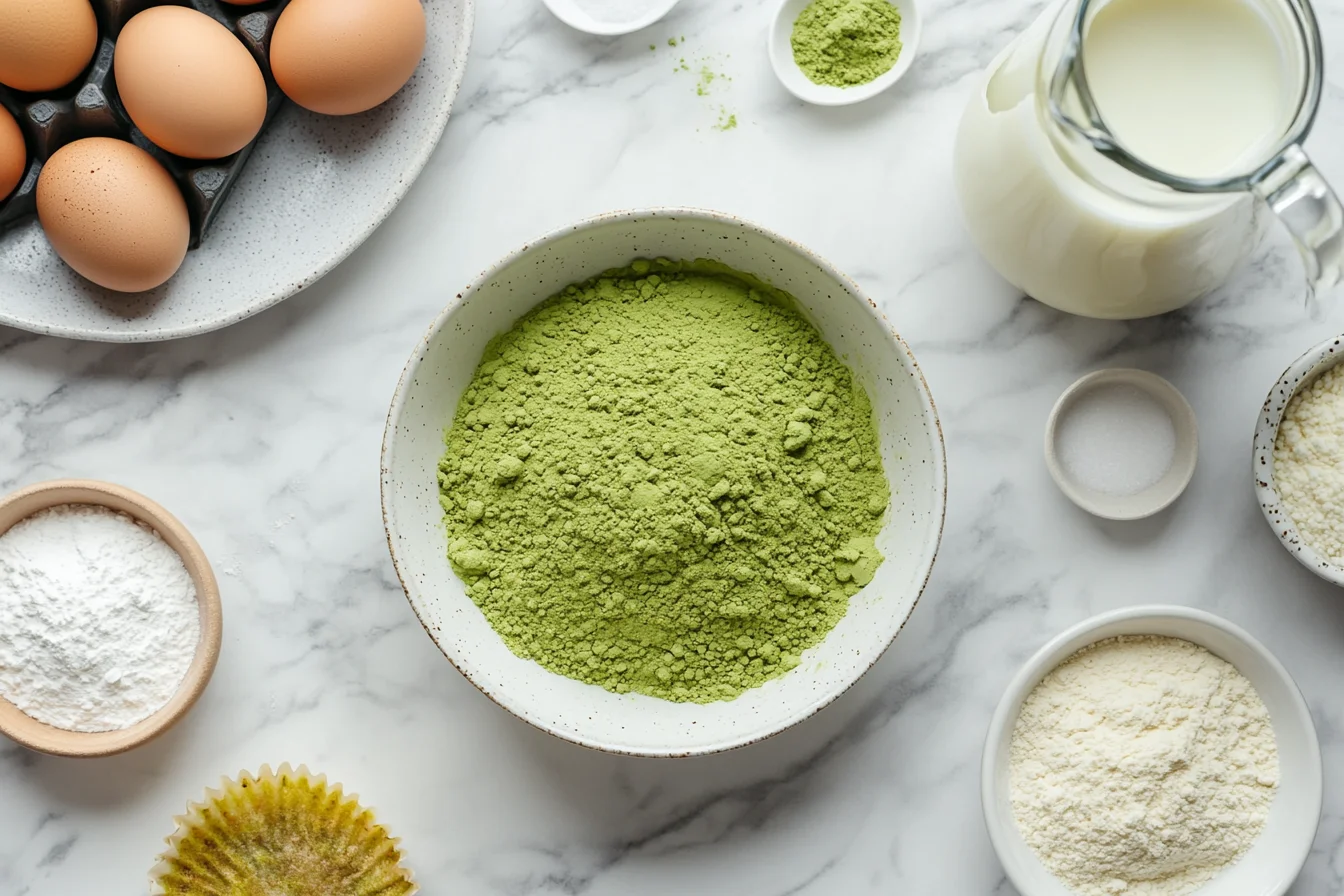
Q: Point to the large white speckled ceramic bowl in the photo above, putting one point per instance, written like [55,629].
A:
[443,364]
[313,190]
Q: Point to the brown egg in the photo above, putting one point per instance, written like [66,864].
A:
[339,57]
[13,154]
[113,214]
[188,83]
[45,44]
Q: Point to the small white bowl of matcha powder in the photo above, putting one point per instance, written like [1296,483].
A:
[838,52]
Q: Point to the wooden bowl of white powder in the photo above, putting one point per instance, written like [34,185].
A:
[1155,749]
[110,620]
[1298,460]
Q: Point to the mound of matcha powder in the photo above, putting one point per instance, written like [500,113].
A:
[844,43]
[662,480]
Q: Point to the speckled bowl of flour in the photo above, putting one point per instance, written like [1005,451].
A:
[1300,375]
[1278,853]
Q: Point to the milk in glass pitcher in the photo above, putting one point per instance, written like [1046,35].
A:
[1110,159]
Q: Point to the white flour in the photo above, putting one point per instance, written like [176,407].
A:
[1142,766]
[98,619]
[1309,463]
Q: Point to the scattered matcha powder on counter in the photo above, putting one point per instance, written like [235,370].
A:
[706,78]
[662,480]
[844,43]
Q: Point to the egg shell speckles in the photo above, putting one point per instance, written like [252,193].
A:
[113,214]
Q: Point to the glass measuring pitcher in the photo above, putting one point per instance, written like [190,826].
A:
[1109,160]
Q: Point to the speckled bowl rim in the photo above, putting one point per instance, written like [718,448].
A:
[339,253]
[929,411]
[1299,374]
[45,738]
[1014,854]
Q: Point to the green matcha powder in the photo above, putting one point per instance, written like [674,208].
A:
[662,480]
[844,43]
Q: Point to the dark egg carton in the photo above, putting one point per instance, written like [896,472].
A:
[90,107]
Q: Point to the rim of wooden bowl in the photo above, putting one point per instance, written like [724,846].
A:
[44,738]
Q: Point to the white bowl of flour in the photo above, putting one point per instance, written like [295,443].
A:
[1191,767]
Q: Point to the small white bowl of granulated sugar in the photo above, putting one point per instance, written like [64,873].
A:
[1155,749]
[110,620]
[1122,443]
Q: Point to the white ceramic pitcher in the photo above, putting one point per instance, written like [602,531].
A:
[1074,218]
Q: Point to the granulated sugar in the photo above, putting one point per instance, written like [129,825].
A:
[1116,439]
[98,619]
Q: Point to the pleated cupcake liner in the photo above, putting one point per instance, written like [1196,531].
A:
[283,831]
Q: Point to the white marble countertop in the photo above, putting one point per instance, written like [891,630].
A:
[264,440]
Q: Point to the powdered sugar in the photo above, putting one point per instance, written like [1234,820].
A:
[98,619]
[1142,766]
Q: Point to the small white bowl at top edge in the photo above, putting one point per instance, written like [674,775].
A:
[1301,373]
[1278,854]
[807,90]
[1161,494]
[572,14]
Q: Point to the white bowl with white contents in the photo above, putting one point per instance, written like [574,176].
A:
[800,85]
[1122,443]
[1301,374]
[1276,857]
[610,17]
[35,734]
[439,372]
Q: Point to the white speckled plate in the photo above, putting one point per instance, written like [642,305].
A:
[443,364]
[314,189]
[1297,377]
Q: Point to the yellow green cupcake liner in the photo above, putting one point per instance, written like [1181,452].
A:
[282,833]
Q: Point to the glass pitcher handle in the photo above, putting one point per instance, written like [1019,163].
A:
[1302,199]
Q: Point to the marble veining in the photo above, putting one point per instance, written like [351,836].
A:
[264,439]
